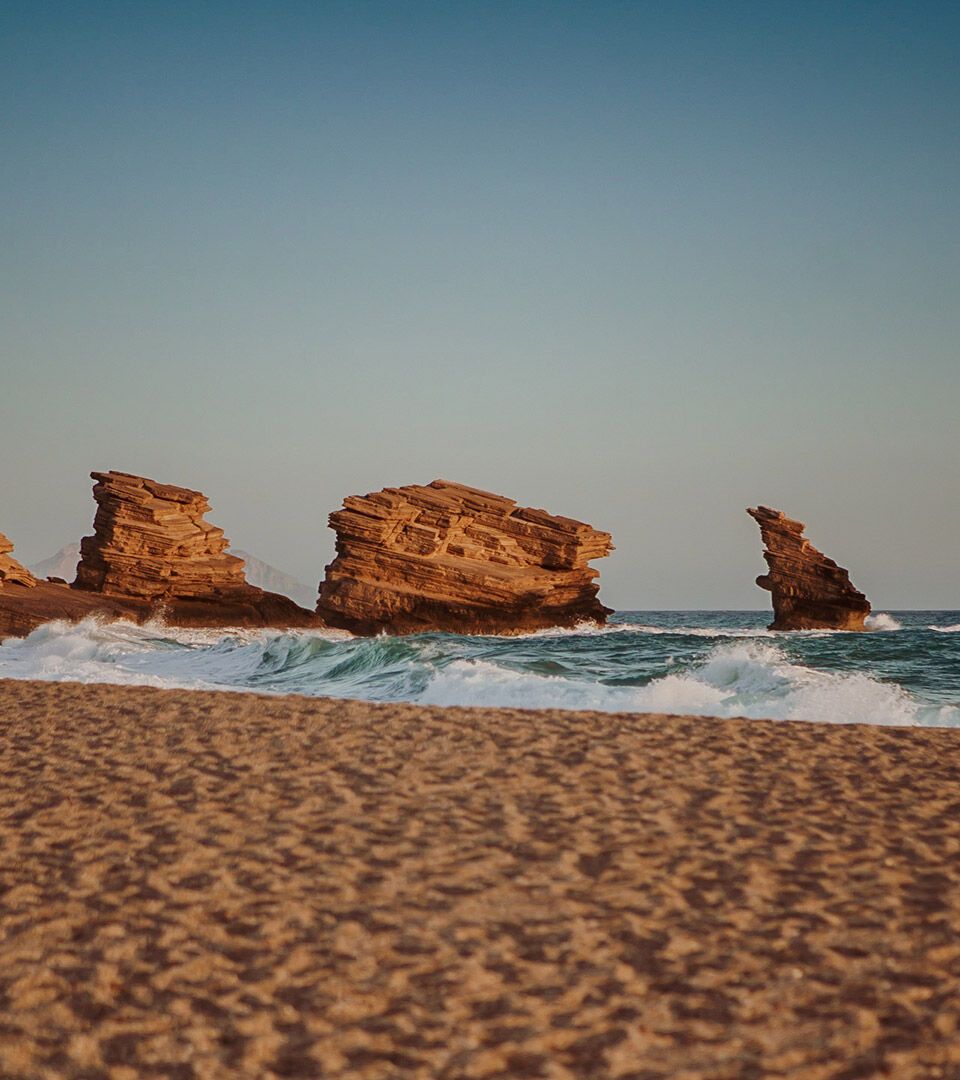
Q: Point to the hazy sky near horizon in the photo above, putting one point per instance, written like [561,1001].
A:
[641,264]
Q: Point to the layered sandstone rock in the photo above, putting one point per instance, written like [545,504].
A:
[450,557]
[152,555]
[809,591]
[12,572]
[151,540]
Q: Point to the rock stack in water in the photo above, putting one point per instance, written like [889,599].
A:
[449,557]
[152,555]
[150,541]
[12,572]
[810,592]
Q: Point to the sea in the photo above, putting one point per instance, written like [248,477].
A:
[904,671]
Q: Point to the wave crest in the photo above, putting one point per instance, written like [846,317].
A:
[754,680]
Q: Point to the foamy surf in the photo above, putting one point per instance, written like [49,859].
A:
[754,681]
[721,664]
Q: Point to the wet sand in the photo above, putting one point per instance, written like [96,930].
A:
[223,885]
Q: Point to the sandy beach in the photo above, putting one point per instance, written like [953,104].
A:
[225,885]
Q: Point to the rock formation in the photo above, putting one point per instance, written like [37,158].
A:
[450,557]
[152,555]
[151,540]
[810,592]
[12,572]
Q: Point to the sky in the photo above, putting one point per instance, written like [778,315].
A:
[641,264]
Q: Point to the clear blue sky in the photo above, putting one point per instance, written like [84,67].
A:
[642,264]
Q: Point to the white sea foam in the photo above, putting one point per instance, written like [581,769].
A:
[882,620]
[151,654]
[105,652]
[955,629]
[754,680]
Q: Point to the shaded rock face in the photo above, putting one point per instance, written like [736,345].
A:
[150,540]
[449,557]
[12,572]
[23,610]
[809,591]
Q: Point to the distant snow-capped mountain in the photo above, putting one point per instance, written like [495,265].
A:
[268,577]
[63,564]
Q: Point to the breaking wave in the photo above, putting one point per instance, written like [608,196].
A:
[719,668]
[751,680]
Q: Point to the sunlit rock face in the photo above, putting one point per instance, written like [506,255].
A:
[809,590]
[151,540]
[449,557]
[12,572]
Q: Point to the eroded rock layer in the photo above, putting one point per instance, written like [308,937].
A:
[12,572]
[449,557]
[809,590]
[151,540]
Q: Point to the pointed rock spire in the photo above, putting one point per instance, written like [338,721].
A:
[809,590]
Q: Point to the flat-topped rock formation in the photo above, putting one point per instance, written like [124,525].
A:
[809,590]
[152,555]
[449,557]
[12,572]
[151,540]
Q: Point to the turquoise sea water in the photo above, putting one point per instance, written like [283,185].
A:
[906,670]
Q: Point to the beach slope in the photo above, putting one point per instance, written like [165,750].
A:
[224,885]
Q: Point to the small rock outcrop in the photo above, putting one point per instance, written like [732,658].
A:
[449,557]
[809,591]
[150,540]
[12,572]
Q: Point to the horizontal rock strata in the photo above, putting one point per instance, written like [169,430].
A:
[809,590]
[449,557]
[12,572]
[151,540]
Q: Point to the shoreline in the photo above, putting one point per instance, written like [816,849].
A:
[274,695]
[212,884]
